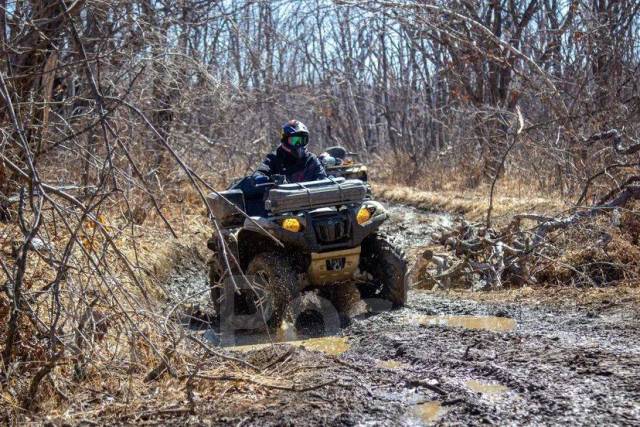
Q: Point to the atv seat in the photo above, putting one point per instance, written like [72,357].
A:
[337,152]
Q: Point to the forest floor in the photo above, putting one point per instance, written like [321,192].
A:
[456,357]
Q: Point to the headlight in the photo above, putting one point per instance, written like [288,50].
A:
[363,215]
[291,224]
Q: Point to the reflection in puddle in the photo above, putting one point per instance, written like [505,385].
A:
[488,323]
[328,345]
[286,334]
[486,388]
[428,411]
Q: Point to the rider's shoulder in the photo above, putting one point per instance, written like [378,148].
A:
[275,154]
[312,157]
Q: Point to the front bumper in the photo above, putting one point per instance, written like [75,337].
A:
[307,240]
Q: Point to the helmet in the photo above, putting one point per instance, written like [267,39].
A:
[294,138]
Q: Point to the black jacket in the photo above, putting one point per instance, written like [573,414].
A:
[307,168]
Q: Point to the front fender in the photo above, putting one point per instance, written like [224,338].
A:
[380,215]
[272,227]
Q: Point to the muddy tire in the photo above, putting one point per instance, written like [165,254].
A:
[216,276]
[274,282]
[313,315]
[218,272]
[388,266]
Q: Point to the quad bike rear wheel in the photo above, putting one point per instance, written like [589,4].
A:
[218,271]
[217,276]
[388,266]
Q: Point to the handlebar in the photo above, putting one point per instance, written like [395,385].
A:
[266,184]
[274,180]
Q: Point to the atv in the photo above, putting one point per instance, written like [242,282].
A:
[340,163]
[284,239]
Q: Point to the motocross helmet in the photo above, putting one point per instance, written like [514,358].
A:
[294,138]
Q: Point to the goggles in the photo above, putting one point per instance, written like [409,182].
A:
[298,140]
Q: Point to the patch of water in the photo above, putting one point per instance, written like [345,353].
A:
[391,364]
[486,388]
[487,323]
[428,412]
[329,345]
[286,334]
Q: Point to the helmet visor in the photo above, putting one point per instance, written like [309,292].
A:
[298,140]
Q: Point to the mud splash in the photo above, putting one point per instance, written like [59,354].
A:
[487,323]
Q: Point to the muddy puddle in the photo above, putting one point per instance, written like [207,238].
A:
[428,412]
[391,364]
[329,345]
[486,323]
[286,334]
[485,388]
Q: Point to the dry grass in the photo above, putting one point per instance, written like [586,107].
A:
[472,204]
[200,387]
[111,353]
[601,251]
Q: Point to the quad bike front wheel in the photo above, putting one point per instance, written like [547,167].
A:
[388,266]
[263,301]
[274,283]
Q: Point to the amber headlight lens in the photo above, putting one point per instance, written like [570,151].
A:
[291,224]
[363,215]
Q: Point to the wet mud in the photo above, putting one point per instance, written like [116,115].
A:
[443,360]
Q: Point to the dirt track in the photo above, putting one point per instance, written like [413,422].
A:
[490,363]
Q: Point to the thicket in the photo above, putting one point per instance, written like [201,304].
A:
[114,114]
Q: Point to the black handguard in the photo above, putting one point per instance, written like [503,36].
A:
[261,181]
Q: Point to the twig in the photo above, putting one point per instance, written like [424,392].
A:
[221,355]
[501,165]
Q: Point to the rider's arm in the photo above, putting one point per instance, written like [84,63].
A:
[315,170]
[266,168]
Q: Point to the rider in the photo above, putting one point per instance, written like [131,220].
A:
[291,158]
